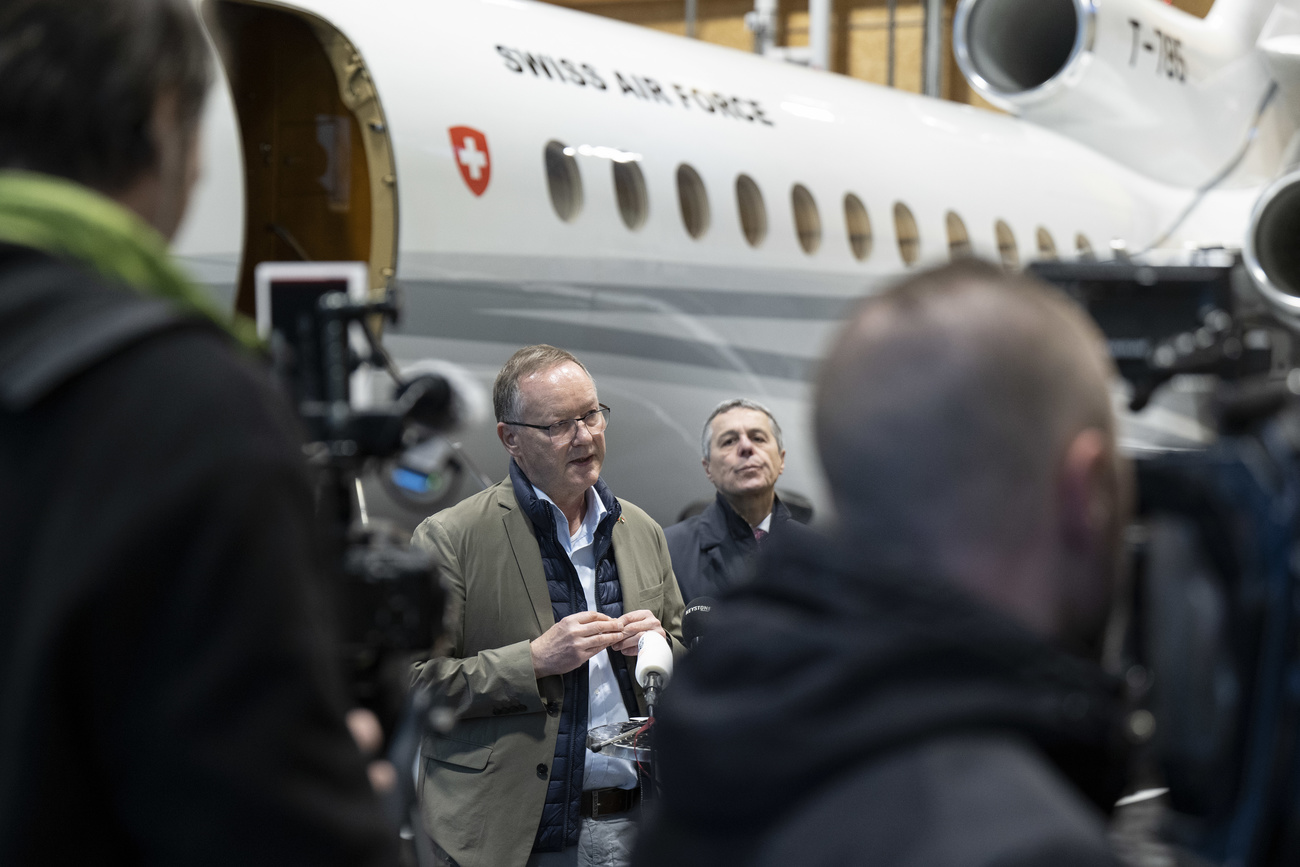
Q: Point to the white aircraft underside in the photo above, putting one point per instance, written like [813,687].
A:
[668,323]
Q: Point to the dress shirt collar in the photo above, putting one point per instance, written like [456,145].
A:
[594,513]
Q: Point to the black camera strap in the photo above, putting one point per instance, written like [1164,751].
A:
[58,322]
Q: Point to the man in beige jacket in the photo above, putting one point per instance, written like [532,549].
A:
[552,581]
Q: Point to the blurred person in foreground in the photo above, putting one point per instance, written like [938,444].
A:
[167,687]
[925,690]
[743,456]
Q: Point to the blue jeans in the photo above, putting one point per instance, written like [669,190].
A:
[603,842]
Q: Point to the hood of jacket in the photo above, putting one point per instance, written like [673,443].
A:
[58,319]
[822,663]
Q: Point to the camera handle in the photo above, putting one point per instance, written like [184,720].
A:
[349,438]
[422,713]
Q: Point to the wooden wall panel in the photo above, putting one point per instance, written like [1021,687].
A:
[1199,8]
[859,43]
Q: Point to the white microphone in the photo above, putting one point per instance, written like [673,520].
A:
[654,665]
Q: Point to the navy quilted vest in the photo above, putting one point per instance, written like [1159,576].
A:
[560,825]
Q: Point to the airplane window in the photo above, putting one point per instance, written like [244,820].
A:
[909,239]
[753,213]
[694,200]
[859,223]
[958,238]
[1046,244]
[629,187]
[1006,245]
[806,219]
[564,180]
[1084,247]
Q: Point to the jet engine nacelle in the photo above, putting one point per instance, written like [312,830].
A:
[1161,91]
[1271,252]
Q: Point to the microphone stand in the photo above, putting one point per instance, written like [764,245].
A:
[650,787]
[401,805]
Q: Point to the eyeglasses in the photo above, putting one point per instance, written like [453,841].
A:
[564,431]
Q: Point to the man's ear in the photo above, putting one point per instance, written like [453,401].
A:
[509,438]
[176,151]
[160,194]
[1086,493]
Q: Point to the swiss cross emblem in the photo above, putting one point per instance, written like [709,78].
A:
[470,148]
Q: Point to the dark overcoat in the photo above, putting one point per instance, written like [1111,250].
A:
[713,551]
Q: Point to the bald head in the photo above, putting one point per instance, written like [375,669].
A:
[947,406]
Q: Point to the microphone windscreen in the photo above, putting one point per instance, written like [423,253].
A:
[653,656]
[695,620]
[466,400]
[431,400]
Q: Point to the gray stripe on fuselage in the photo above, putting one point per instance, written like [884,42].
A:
[479,310]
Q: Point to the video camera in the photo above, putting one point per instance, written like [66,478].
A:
[1211,652]
[320,321]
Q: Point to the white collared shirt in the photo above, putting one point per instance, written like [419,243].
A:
[605,700]
[766,524]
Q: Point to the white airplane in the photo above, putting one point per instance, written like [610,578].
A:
[691,220]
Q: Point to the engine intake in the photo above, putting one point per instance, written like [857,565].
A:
[1166,94]
[1014,47]
[1272,249]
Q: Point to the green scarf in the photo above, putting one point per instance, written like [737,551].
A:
[70,221]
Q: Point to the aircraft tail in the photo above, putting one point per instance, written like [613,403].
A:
[1168,94]
[1245,19]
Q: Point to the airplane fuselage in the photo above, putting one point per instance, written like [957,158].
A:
[566,179]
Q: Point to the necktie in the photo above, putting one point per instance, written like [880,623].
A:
[760,535]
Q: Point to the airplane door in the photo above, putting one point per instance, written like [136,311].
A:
[319,176]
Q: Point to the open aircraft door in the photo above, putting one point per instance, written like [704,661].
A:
[319,175]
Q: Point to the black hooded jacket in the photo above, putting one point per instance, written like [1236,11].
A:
[168,687]
[836,714]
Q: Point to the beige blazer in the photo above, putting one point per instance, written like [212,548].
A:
[483,786]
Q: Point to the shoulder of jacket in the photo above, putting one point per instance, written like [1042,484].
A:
[635,516]
[683,529]
[486,505]
[68,321]
[712,528]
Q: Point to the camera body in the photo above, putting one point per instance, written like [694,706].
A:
[1212,645]
[390,602]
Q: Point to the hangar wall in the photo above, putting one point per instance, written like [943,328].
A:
[859,40]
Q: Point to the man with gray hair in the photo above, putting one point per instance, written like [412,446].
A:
[926,690]
[552,581]
[744,455]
